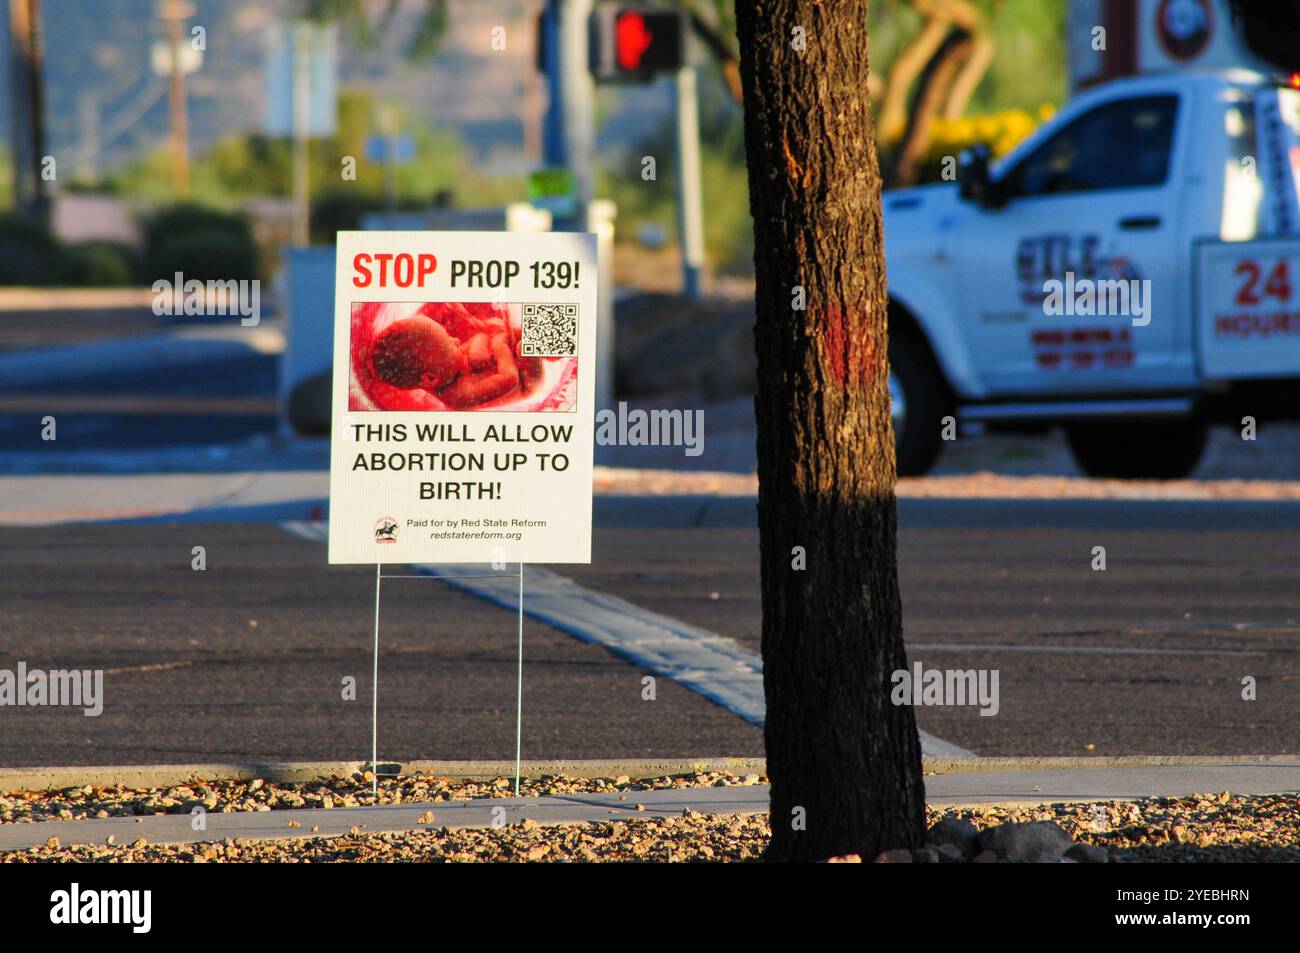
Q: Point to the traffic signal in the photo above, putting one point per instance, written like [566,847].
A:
[636,42]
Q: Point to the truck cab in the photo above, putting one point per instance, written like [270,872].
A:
[1126,272]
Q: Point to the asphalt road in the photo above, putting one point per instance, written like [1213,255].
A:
[245,661]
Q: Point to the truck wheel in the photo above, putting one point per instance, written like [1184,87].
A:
[1155,451]
[919,403]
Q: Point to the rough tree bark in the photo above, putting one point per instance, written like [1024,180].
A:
[842,759]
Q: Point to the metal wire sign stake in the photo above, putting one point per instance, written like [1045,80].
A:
[374,672]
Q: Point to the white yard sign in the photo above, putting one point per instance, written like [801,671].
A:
[463,406]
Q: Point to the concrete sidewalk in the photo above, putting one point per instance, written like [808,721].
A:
[949,790]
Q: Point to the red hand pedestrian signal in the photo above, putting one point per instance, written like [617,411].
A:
[636,43]
[632,39]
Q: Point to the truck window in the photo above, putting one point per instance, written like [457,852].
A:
[1119,145]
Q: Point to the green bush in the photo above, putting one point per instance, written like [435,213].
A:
[340,210]
[101,264]
[201,243]
[29,253]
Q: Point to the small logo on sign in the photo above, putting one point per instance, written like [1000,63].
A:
[385,530]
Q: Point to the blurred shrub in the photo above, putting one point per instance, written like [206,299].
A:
[200,242]
[342,210]
[651,206]
[29,253]
[101,264]
[1001,132]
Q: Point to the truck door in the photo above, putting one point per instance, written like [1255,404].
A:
[1074,274]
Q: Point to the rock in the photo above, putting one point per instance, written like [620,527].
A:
[985,857]
[960,833]
[897,856]
[950,853]
[309,405]
[1025,841]
[1088,854]
[925,855]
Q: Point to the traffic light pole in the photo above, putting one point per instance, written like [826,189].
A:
[569,142]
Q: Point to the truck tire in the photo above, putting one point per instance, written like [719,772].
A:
[918,415]
[1168,450]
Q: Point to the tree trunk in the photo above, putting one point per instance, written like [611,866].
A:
[844,762]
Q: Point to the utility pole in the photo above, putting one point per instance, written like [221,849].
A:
[301,122]
[27,102]
[174,12]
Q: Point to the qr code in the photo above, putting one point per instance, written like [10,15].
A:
[550,330]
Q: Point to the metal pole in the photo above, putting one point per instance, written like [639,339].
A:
[301,120]
[374,697]
[690,214]
[554,154]
[519,685]
[578,99]
[600,220]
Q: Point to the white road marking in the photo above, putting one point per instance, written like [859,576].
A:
[717,667]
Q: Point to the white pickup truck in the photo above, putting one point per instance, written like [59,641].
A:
[1131,271]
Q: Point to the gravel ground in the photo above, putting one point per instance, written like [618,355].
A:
[229,797]
[1202,828]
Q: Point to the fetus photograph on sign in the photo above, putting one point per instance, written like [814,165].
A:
[463,356]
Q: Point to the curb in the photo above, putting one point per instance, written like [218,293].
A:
[167,775]
[936,766]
